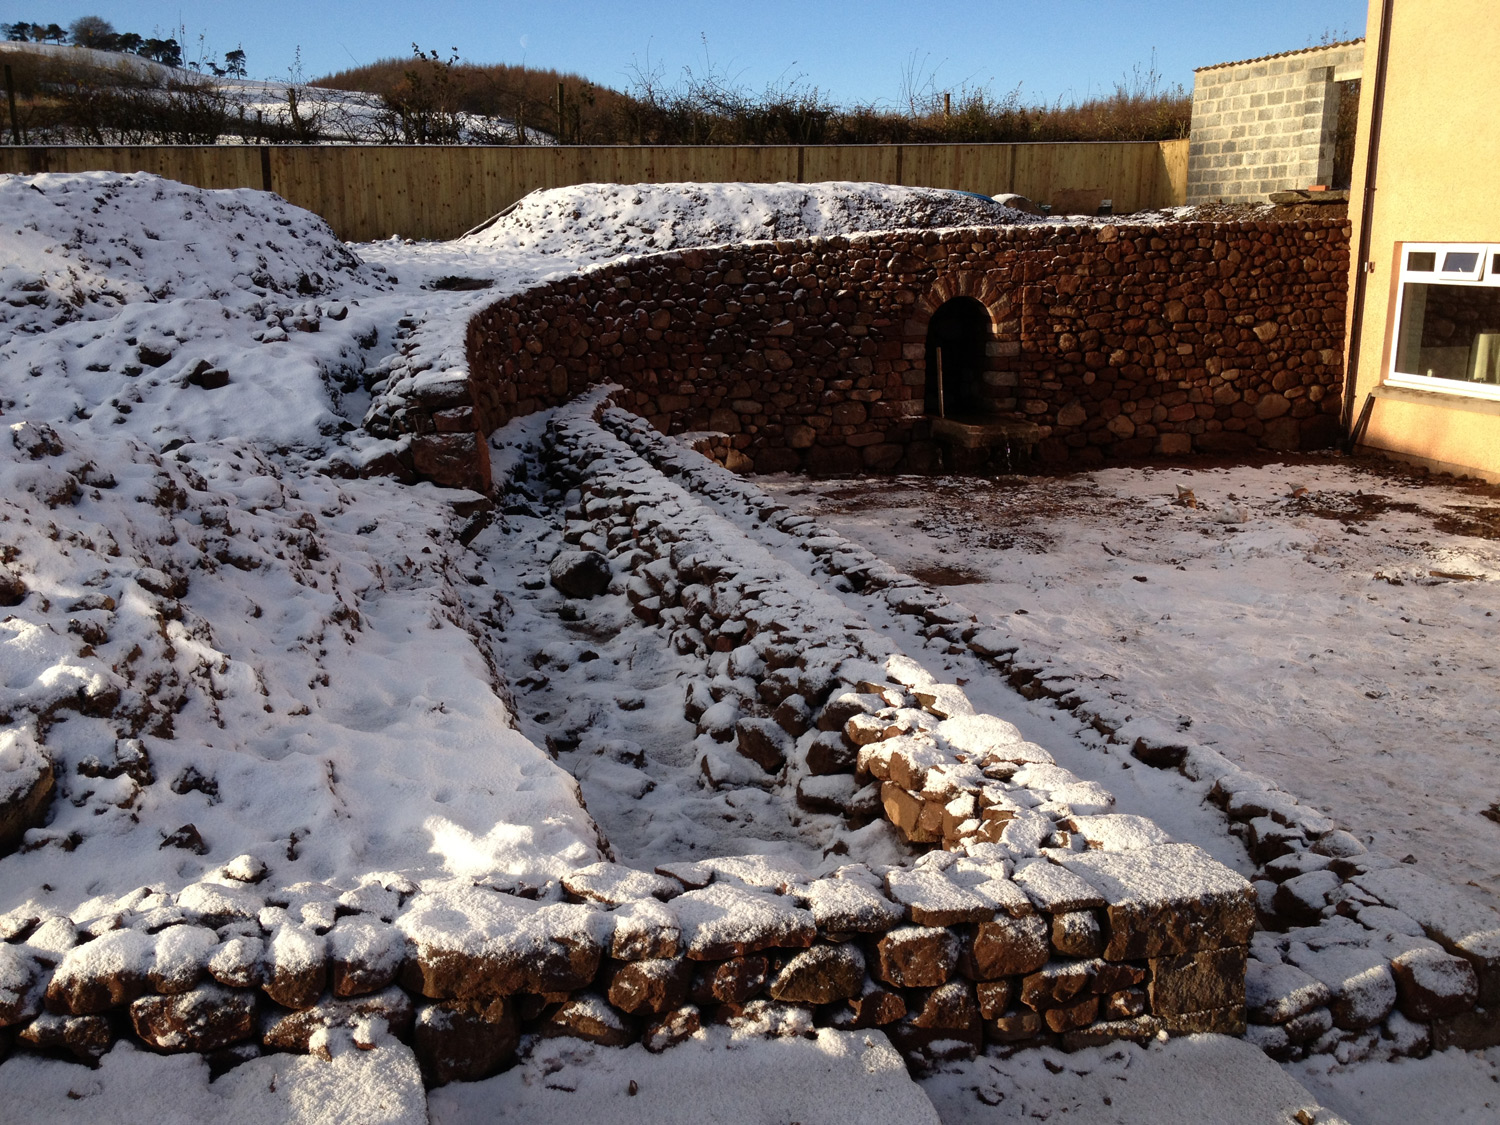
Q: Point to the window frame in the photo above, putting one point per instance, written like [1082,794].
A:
[1486,274]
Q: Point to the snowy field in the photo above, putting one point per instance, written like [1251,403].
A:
[240,657]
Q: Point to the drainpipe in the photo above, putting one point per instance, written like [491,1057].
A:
[1366,213]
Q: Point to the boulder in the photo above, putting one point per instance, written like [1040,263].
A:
[203,1019]
[820,975]
[580,574]
[916,957]
[464,1040]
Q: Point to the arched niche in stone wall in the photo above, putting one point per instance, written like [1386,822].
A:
[957,334]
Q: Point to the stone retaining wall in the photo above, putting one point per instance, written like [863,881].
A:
[1117,341]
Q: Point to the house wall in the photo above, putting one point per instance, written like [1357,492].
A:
[1116,341]
[1267,124]
[1438,143]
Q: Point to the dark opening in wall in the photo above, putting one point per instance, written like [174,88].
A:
[956,336]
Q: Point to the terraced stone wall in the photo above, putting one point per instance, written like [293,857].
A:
[1118,341]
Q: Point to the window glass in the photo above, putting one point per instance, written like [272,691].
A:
[1421,261]
[1460,261]
[1450,332]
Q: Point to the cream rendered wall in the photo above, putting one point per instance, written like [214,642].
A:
[1436,181]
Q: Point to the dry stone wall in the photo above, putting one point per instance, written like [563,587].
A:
[1116,341]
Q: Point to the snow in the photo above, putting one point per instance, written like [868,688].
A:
[351,116]
[223,629]
[1194,1080]
[718,1077]
[1339,642]
[609,220]
[355,1087]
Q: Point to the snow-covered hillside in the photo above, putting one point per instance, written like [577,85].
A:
[291,106]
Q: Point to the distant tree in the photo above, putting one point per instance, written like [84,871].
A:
[92,31]
[19,32]
[168,52]
[234,63]
[129,41]
[52,33]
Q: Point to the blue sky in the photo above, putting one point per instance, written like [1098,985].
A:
[855,52]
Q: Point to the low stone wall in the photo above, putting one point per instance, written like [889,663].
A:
[1357,955]
[1117,341]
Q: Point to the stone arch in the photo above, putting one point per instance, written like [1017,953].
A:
[955,290]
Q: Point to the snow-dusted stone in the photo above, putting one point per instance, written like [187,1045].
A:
[672,1028]
[836,713]
[204,1019]
[217,903]
[1364,992]
[731,982]
[590,1018]
[645,930]
[296,966]
[245,868]
[840,794]
[931,899]
[1337,844]
[580,574]
[1025,832]
[1006,947]
[364,955]
[18,972]
[946,701]
[1055,889]
[1309,1026]
[759,873]
[464,1041]
[848,906]
[985,739]
[1277,992]
[1198,982]
[182,954]
[295,1031]
[1271,1039]
[992,643]
[1432,985]
[474,943]
[653,987]
[1302,898]
[1168,899]
[614,884]
[940,1024]
[1114,832]
[26,783]
[903,670]
[85,1037]
[725,920]
[763,742]
[239,962]
[909,759]
[105,973]
[1453,919]
[989,879]
[916,957]
[820,975]
[1077,933]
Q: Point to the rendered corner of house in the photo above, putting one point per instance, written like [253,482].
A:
[1423,351]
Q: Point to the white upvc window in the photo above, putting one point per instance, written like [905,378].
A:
[1448,319]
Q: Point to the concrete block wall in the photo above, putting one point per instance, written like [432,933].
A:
[1267,124]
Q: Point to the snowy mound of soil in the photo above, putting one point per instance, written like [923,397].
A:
[608,220]
[78,246]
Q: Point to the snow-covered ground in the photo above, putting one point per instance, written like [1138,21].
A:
[231,646]
[1328,624]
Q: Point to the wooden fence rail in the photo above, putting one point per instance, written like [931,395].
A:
[374,191]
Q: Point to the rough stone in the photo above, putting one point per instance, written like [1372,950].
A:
[916,957]
[464,1041]
[580,574]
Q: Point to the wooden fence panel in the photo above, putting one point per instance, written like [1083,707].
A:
[374,191]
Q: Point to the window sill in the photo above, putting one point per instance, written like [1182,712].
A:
[1421,392]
